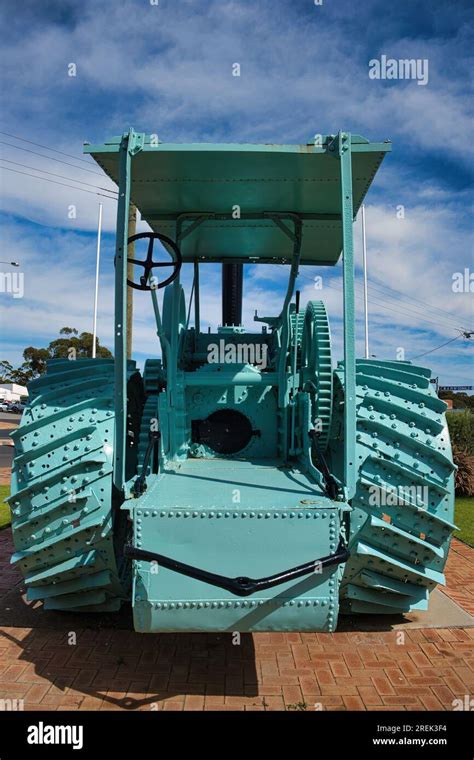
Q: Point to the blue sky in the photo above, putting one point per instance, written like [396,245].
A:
[167,69]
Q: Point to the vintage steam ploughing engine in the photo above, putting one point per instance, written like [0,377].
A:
[268,491]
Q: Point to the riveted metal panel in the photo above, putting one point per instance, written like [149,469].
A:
[234,542]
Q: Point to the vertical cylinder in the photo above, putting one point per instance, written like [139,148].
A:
[232,288]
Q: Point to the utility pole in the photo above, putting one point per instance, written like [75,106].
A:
[132,228]
[366,311]
[96,294]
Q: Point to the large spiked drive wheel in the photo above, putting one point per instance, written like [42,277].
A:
[66,533]
[402,511]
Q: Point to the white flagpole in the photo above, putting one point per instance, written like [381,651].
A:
[96,296]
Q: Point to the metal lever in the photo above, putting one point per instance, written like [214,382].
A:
[242,585]
[332,488]
[140,485]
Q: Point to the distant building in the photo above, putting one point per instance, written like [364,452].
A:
[12,392]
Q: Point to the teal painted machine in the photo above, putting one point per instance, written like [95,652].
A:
[241,483]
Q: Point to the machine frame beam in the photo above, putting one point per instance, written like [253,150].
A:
[132,142]
[345,158]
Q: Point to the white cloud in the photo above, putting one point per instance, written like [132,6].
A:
[167,69]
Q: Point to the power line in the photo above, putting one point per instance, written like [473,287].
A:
[466,334]
[45,147]
[452,320]
[405,312]
[51,158]
[408,311]
[406,295]
[63,184]
[413,309]
[418,356]
[61,176]
[397,311]
[381,288]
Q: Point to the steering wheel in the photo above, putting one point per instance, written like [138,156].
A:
[148,264]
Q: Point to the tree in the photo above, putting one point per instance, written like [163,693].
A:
[70,345]
[460,400]
[6,370]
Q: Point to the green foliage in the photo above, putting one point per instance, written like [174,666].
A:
[5,516]
[460,400]
[70,345]
[461,429]
[464,477]
[464,519]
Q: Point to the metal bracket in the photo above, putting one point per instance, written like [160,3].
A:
[136,142]
[276,220]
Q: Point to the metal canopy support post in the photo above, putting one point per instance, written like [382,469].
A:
[132,228]
[366,305]
[131,143]
[197,305]
[345,158]
[285,315]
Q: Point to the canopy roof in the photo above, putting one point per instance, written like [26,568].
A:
[170,180]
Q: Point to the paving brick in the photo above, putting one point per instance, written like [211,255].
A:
[370,696]
[420,659]
[309,685]
[466,675]
[324,677]
[340,690]
[292,694]
[396,677]
[339,669]
[353,703]
[383,686]
[430,702]
[445,695]
[399,699]
[194,702]
[13,690]
[273,703]
[353,660]
[14,671]
[36,693]
[408,668]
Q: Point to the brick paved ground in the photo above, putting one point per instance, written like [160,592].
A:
[460,575]
[110,668]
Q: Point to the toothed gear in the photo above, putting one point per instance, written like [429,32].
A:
[316,368]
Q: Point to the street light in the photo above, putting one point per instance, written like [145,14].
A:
[12,263]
